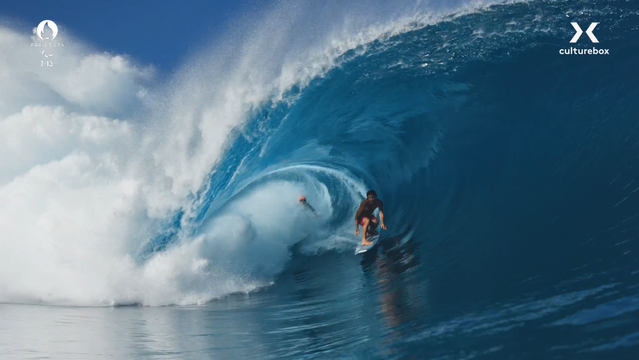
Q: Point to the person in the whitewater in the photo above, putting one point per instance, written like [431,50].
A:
[365,217]
[307,205]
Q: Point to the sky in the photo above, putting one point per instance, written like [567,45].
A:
[158,32]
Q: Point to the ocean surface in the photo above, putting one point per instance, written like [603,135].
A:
[509,174]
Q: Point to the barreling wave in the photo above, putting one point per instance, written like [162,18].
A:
[437,111]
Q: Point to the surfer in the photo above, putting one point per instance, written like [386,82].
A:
[365,217]
[307,205]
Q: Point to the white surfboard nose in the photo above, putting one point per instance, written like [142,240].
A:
[363,248]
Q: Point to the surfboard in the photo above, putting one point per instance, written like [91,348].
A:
[360,249]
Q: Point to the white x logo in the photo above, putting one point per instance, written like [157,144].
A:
[588,32]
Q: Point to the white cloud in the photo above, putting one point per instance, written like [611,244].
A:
[80,79]
[41,134]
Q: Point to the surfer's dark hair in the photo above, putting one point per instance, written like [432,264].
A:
[371,192]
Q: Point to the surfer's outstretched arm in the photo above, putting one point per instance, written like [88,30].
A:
[381,215]
[312,209]
[308,206]
[359,211]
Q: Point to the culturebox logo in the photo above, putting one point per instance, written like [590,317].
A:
[593,39]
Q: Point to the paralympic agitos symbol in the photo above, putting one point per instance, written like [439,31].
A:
[588,32]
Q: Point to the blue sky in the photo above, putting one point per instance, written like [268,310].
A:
[160,32]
